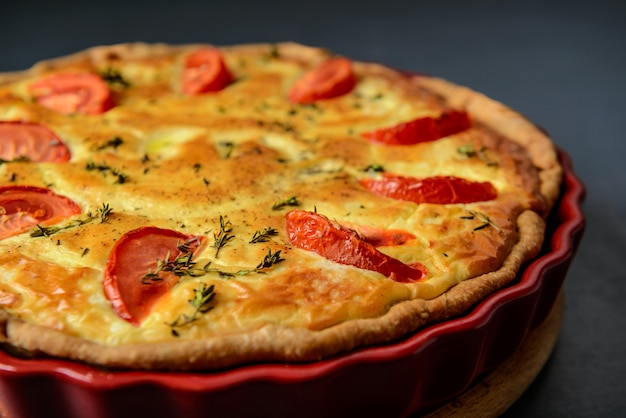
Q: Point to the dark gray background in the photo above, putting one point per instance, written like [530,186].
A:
[563,64]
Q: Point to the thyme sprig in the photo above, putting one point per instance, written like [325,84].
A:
[184,265]
[227,148]
[291,201]
[269,260]
[113,77]
[201,302]
[224,235]
[45,231]
[114,142]
[105,168]
[181,265]
[263,235]
[469,151]
[374,168]
[104,212]
[483,218]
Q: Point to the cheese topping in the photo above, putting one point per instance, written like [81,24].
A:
[248,155]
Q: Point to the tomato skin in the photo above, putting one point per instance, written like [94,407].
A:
[204,71]
[332,78]
[136,253]
[23,207]
[379,237]
[437,189]
[420,130]
[33,141]
[314,232]
[451,122]
[69,93]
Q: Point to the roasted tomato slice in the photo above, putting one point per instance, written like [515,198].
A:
[68,93]
[438,189]
[22,207]
[380,237]
[314,232]
[205,71]
[330,79]
[132,280]
[32,141]
[421,130]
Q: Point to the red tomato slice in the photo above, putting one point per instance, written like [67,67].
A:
[421,130]
[330,79]
[451,122]
[31,140]
[68,93]
[22,207]
[204,71]
[314,232]
[380,237]
[438,189]
[134,255]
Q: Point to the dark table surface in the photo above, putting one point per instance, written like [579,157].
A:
[562,64]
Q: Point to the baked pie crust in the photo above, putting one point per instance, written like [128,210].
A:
[229,166]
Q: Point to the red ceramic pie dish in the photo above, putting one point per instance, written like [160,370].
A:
[421,371]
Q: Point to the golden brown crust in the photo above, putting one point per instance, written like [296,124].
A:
[287,344]
[298,328]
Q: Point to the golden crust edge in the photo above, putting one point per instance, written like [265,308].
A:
[275,343]
[101,53]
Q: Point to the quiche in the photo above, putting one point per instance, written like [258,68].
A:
[189,207]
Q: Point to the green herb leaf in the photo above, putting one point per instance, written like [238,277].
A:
[484,219]
[182,265]
[374,168]
[469,151]
[114,142]
[203,297]
[291,201]
[113,77]
[226,148]
[104,212]
[269,260]
[46,231]
[105,168]
[201,302]
[224,236]
[264,235]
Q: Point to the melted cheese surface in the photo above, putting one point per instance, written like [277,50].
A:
[186,161]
